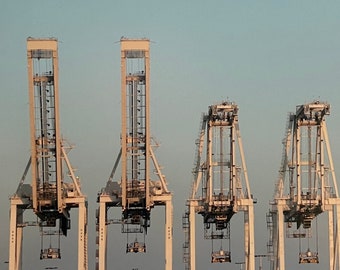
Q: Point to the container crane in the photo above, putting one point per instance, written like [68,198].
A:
[306,187]
[50,194]
[222,177]
[134,191]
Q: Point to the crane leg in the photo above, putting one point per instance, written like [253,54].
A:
[168,235]
[19,248]
[281,233]
[192,227]
[331,237]
[16,233]
[101,263]
[337,240]
[251,249]
[82,237]
[13,237]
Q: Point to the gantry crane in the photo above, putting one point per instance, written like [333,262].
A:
[51,194]
[222,177]
[134,191]
[306,187]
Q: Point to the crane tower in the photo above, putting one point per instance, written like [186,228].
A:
[222,178]
[50,194]
[306,187]
[134,191]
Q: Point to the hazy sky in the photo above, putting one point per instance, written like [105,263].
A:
[267,56]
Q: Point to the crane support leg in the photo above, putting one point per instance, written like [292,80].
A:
[337,240]
[280,249]
[82,236]
[246,240]
[249,238]
[19,247]
[192,245]
[16,234]
[331,237]
[168,235]
[13,237]
[101,264]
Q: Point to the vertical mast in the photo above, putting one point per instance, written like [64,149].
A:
[135,65]
[42,56]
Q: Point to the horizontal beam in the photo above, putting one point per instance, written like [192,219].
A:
[42,44]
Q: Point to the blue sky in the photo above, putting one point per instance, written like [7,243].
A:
[267,56]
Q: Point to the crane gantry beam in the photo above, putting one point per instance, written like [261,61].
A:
[135,192]
[222,176]
[306,187]
[50,194]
